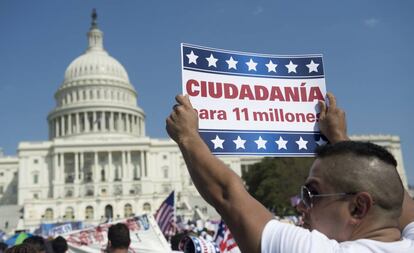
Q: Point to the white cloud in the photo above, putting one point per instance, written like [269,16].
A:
[371,22]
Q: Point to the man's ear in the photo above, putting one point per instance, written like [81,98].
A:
[360,205]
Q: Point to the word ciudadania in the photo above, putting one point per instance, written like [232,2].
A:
[255,92]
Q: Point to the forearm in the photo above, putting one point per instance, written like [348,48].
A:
[212,178]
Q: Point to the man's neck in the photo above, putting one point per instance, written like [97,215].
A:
[377,230]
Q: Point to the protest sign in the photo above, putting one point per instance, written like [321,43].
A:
[144,233]
[255,104]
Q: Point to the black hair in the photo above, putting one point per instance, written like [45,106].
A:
[59,245]
[358,148]
[22,248]
[37,242]
[118,235]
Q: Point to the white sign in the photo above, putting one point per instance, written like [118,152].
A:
[255,104]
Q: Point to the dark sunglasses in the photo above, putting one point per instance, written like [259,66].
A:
[307,197]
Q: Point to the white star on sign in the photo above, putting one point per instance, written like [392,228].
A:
[291,67]
[321,142]
[212,61]
[271,66]
[260,143]
[312,66]
[232,63]
[192,58]
[251,64]
[218,143]
[239,142]
[281,144]
[302,143]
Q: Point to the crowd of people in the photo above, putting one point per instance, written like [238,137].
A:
[118,242]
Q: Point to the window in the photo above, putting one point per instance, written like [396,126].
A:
[147,207]
[35,178]
[89,213]
[35,195]
[35,161]
[1,189]
[165,171]
[1,174]
[48,214]
[69,213]
[128,211]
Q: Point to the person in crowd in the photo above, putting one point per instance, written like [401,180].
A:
[3,247]
[118,238]
[37,242]
[352,201]
[59,245]
[22,248]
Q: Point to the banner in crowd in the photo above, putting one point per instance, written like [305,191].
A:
[53,229]
[144,232]
[255,104]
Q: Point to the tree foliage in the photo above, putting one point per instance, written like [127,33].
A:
[274,181]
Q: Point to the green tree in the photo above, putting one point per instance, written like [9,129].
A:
[274,181]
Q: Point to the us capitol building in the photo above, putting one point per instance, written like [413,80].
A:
[98,162]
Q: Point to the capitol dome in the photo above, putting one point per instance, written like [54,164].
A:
[95,64]
[96,96]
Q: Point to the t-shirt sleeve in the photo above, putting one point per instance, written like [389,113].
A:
[408,231]
[279,237]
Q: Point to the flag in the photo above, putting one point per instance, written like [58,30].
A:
[165,216]
[225,241]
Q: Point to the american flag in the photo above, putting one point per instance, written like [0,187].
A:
[225,241]
[165,216]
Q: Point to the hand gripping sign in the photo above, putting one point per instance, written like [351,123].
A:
[255,104]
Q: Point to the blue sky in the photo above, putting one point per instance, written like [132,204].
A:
[367,47]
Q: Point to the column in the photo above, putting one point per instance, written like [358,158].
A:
[127,171]
[128,123]
[62,125]
[94,125]
[70,124]
[111,121]
[62,167]
[57,127]
[103,121]
[76,167]
[110,173]
[81,169]
[87,127]
[142,161]
[95,172]
[124,164]
[78,130]
[55,167]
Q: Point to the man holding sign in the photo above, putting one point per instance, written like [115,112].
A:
[352,200]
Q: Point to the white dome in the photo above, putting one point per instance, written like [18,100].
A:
[95,64]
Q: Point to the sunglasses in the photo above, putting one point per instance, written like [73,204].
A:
[307,197]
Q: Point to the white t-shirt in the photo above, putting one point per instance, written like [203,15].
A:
[279,237]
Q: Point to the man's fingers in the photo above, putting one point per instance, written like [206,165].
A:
[184,100]
[322,108]
[332,100]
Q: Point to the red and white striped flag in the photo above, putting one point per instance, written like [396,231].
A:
[225,240]
[165,216]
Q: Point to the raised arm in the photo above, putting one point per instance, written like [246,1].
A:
[217,184]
